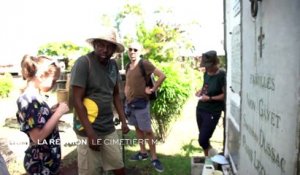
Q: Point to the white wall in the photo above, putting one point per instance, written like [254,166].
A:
[233,48]
[270,98]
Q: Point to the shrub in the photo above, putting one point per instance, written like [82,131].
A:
[174,92]
[6,84]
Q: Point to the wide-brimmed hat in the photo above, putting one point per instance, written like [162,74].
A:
[209,59]
[109,35]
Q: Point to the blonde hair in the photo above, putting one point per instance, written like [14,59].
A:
[31,65]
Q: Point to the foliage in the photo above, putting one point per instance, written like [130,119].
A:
[222,61]
[6,84]
[162,43]
[63,49]
[128,9]
[180,83]
[68,51]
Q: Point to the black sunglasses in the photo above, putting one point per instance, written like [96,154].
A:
[131,49]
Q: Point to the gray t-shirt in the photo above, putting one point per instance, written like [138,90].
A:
[99,82]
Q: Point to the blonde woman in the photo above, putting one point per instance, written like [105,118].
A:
[37,119]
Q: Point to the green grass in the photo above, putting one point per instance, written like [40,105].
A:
[173,164]
[177,164]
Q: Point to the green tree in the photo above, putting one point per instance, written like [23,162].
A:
[162,43]
[66,50]
[6,84]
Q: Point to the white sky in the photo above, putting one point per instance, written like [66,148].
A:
[27,24]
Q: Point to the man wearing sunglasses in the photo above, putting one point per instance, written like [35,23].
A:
[137,99]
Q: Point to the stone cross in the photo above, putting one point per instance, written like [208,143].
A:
[260,39]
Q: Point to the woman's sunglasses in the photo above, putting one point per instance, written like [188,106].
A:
[131,49]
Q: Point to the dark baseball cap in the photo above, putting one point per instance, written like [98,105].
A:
[209,59]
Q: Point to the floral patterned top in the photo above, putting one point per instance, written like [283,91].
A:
[42,158]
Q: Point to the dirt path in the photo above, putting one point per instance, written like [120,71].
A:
[184,133]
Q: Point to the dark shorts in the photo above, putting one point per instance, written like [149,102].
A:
[207,123]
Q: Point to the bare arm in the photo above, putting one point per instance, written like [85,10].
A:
[78,95]
[161,77]
[39,134]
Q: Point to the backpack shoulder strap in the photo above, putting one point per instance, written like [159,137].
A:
[70,100]
[127,67]
[143,71]
[88,59]
[114,62]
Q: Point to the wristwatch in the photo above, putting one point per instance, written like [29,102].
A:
[210,98]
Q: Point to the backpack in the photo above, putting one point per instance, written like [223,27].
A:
[149,81]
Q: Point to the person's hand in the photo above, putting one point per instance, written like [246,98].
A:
[125,128]
[205,98]
[148,90]
[62,108]
[94,142]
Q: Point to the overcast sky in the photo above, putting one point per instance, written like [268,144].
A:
[28,24]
